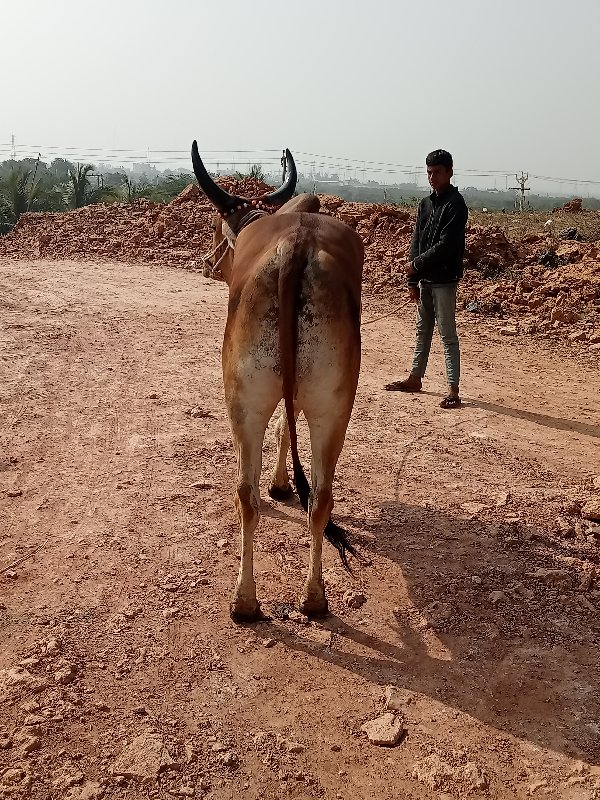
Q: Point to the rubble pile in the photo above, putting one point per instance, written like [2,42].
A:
[174,233]
[544,283]
[555,291]
[574,206]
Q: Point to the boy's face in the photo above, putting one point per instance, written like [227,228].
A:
[439,177]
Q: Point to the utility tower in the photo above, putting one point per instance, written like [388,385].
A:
[521,188]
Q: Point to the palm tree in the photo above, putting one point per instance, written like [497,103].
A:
[78,191]
[77,186]
[17,197]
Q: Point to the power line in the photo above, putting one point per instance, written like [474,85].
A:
[328,162]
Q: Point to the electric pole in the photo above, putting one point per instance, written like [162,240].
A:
[521,188]
[13,151]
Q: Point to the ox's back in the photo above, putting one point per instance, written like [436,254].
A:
[328,257]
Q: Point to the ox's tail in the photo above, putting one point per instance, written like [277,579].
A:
[291,268]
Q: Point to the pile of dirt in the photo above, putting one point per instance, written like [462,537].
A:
[174,233]
[574,206]
[555,291]
[549,284]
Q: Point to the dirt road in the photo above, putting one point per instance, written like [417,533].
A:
[121,674]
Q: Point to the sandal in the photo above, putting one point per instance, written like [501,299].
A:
[402,386]
[451,402]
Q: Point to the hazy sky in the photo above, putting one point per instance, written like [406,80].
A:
[502,84]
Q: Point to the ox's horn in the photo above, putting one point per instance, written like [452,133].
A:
[222,200]
[287,189]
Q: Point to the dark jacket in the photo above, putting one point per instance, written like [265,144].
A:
[438,243]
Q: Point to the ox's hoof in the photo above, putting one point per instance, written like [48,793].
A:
[280,493]
[314,606]
[241,611]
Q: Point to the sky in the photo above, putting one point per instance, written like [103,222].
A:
[505,85]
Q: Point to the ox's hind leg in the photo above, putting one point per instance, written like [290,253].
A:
[248,438]
[280,487]
[326,440]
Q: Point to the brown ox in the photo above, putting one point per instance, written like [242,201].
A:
[293,332]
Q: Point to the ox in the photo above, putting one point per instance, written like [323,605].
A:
[292,332]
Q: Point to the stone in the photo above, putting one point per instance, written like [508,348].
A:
[354,599]
[591,510]
[31,744]
[508,330]
[230,759]
[397,699]
[385,731]
[496,597]
[558,577]
[295,747]
[473,508]
[12,776]
[91,790]
[432,771]
[65,675]
[17,679]
[144,759]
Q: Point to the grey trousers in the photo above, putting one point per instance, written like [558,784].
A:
[437,304]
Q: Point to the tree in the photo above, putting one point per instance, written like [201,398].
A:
[78,191]
[256,172]
[17,196]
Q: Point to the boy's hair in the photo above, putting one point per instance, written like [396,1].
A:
[439,158]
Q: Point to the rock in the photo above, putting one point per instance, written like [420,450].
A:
[295,747]
[31,744]
[474,776]
[169,613]
[12,776]
[558,577]
[594,347]
[565,528]
[91,790]
[508,330]
[144,759]
[298,618]
[354,599]
[397,699]
[221,543]
[561,314]
[218,747]
[533,787]
[591,510]
[596,482]
[432,771]
[17,679]
[385,731]
[65,674]
[67,781]
[183,791]
[230,759]
[473,508]
[14,493]
[496,597]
